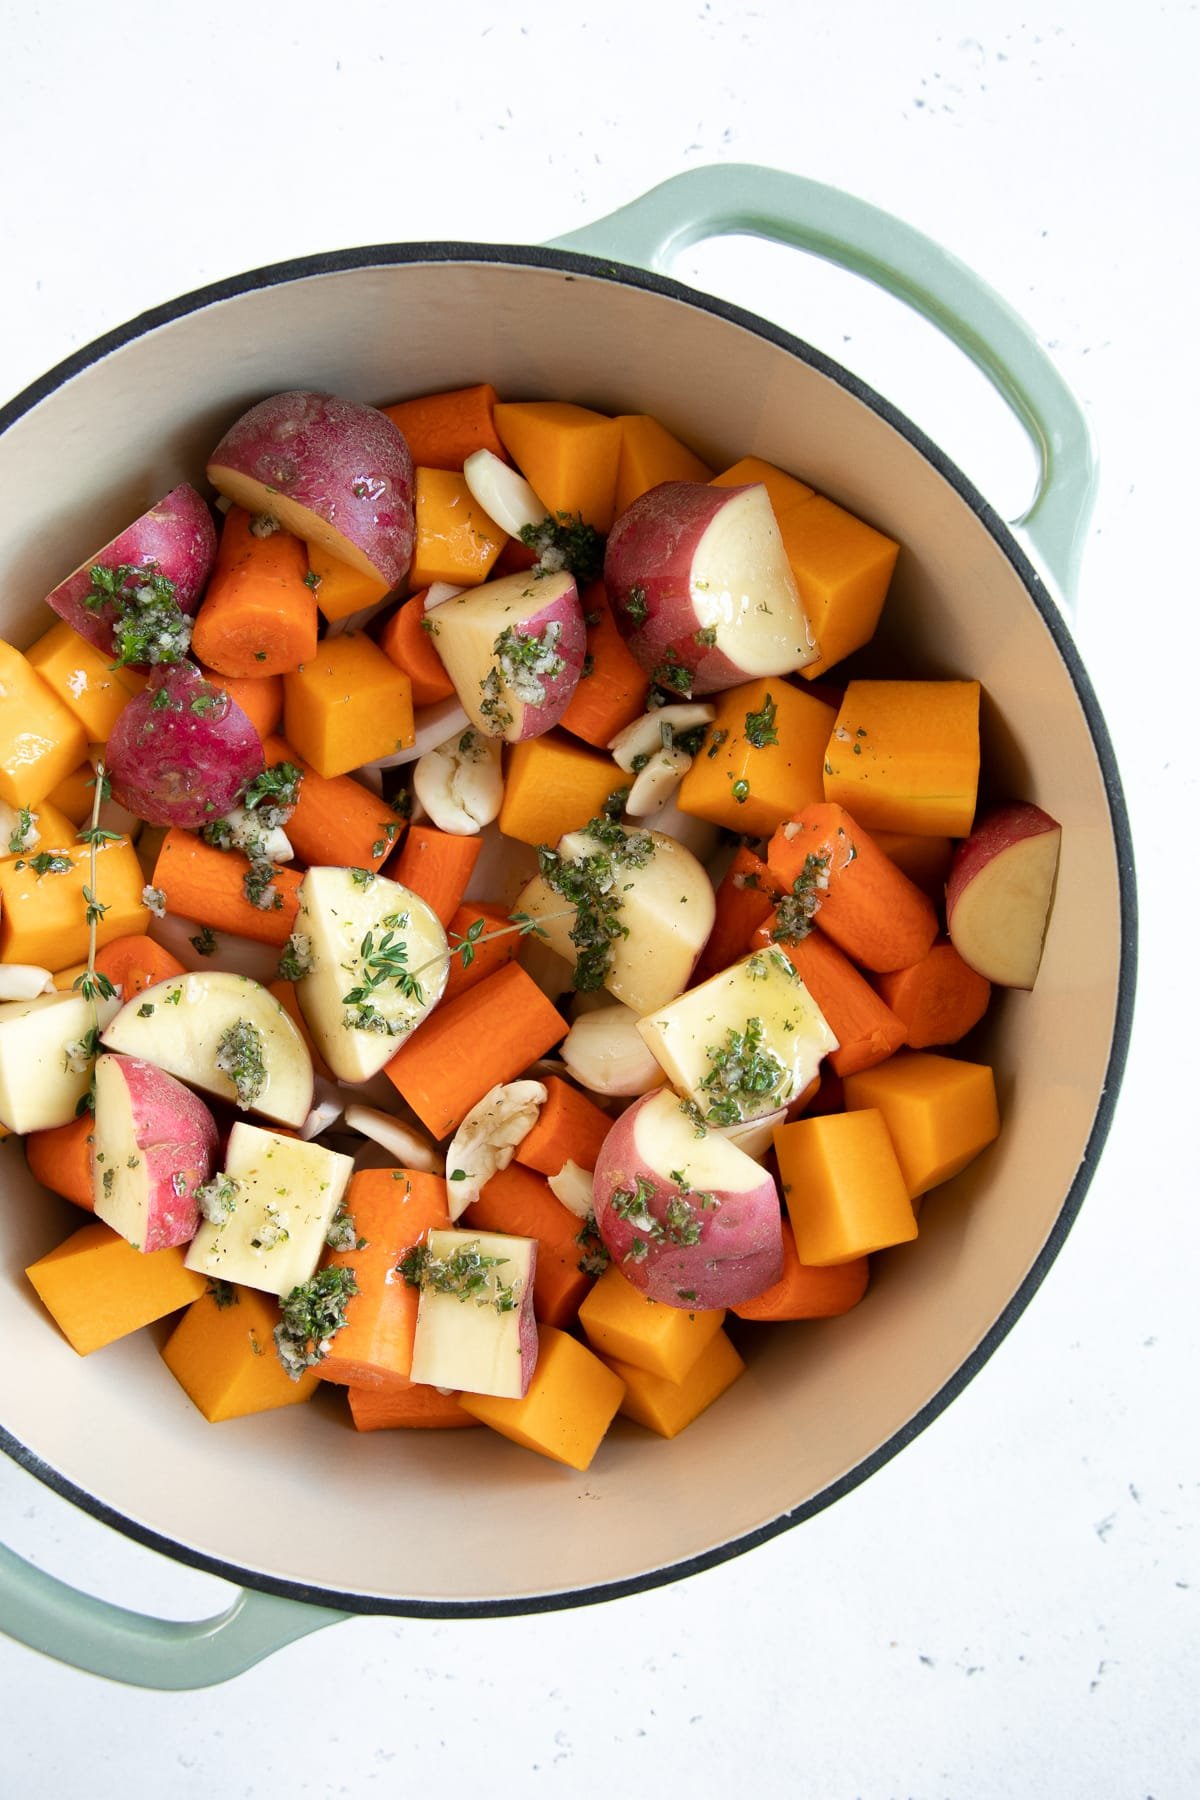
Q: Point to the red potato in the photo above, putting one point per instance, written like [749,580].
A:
[478,1341]
[182,751]
[999,893]
[176,538]
[514,649]
[701,588]
[154,1144]
[713,1238]
[332,471]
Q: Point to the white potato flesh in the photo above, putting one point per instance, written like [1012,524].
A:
[287,1195]
[1000,891]
[744,589]
[765,1005]
[179,1025]
[667,906]
[473,1346]
[503,698]
[41,1080]
[351,927]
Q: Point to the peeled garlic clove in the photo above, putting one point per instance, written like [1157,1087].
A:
[645,735]
[460,783]
[327,1107]
[504,495]
[24,981]
[486,1139]
[605,1052]
[654,785]
[411,1150]
[573,1186]
[437,591]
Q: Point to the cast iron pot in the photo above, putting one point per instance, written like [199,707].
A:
[313,1521]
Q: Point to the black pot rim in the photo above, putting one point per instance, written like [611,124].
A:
[569,264]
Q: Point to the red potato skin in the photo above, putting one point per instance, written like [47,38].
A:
[174,764]
[994,833]
[177,1135]
[343,461]
[528,1332]
[740,1251]
[651,547]
[176,538]
[532,721]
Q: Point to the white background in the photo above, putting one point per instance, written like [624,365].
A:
[1009,1608]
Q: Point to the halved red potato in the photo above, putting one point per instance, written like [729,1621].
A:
[999,893]
[333,472]
[692,1221]
[154,1144]
[514,649]
[702,590]
[176,538]
[182,751]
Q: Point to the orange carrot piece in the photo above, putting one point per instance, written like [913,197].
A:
[570,1127]
[487,1035]
[938,1000]
[520,1203]
[392,1209]
[866,1028]
[414,1406]
[613,692]
[259,615]
[437,866]
[442,430]
[745,896]
[488,956]
[870,910]
[406,643]
[805,1292]
[337,820]
[61,1159]
[260,697]
[134,963]
[206,885]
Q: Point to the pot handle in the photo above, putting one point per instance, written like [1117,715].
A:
[728,198]
[85,1633]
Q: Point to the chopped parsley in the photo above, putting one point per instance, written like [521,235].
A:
[795,912]
[705,638]
[217,1198]
[311,1315]
[49,862]
[760,726]
[715,742]
[149,625]
[258,885]
[565,542]
[595,1258]
[205,941]
[22,833]
[636,609]
[466,1273]
[276,791]
[527,660]
[240,1057]
[741,791]
[342,1234]
[222,1293]
[296,961]
[589,884]
[672,673]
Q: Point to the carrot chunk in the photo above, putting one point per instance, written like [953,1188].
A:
[869,909]
[392,1209]
[259,613]
[442,430]
[437,866]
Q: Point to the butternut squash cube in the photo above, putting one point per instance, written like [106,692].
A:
[762,760]
[940,1112]
[83,679]
[552,786]
[222,1354]
[650,454]
[904,756]
[349,705]
[623,1325]
[41,740]
[843,569]
[570,1403]
[784,491]
[98,1288]
[568,454]
[43,916]
[74,794]
[342,590]
[455,539]
[844,1188]
[925,860]
[668,1406]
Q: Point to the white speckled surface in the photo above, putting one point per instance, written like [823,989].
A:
[1009,1607]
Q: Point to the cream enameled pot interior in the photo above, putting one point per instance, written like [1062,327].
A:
[449,1518]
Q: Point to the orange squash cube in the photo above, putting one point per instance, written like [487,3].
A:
[650,454]
[622,1324]
[222,1354]
[844,1188]
[342,590]
[43,918]
[41,740]
[843,569]
[83,679]
[98,1288]
[455,539]
[666,1407]
[568,454]
[904,756]
[552,786]
[784,491]
[762,760]
[940,1112]
[349,705]
[570,1403]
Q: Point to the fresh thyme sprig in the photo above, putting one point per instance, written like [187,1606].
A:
[386,960]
